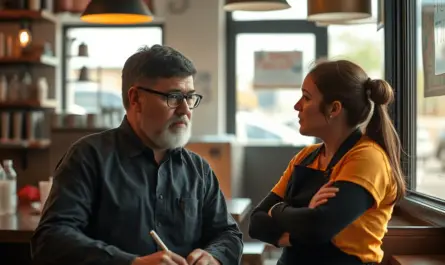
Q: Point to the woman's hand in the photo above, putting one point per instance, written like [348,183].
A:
[323,194]
[284,240]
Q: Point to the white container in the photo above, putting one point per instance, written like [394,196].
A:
[8,197]
[10,188]
[44,188]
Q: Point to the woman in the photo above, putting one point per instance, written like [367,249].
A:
[333,202]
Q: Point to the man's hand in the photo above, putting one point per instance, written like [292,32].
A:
[323,194]
[284,240]
[160,258]
[201,257]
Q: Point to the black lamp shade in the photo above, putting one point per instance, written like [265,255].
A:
[117,12]
[84,74]
[256,5]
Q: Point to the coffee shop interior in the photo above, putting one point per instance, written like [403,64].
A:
[60,80]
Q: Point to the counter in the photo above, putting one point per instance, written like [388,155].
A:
[19,228]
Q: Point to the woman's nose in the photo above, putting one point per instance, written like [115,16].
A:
[297,106]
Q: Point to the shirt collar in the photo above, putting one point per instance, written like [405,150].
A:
[134,146]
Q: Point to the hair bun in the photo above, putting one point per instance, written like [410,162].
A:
[381,91]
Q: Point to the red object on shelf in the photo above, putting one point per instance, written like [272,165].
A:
[28,194]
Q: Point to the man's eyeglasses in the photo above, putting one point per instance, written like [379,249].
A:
[174,99]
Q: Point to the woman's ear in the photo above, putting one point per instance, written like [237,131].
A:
[335,109]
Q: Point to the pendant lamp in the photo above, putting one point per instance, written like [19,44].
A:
[256,5]
[370,20]
[117,12]
[334,10]
[84,74]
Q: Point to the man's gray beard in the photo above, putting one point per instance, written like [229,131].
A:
[170,139]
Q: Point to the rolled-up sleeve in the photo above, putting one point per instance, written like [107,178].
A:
[222,237]
[60,236]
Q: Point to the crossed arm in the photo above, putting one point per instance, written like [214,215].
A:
[306,225]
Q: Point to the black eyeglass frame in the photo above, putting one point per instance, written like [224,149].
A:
[178,96]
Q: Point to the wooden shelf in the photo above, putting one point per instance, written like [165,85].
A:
[37,144]
[41,60]
[418,259]
[8,15]
[77,130]
[29,104]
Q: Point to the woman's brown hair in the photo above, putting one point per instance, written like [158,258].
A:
[349,84]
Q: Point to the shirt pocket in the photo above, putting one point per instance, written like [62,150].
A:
[188,217]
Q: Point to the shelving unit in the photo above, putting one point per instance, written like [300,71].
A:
[42,25]
[38,144]
[28,105]
[43,60]
[18,14]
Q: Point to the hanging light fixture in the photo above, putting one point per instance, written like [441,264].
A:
[117,12]
[335,10]
[370,20]
[150,5]
[256,5]
[321,24]
[84,74]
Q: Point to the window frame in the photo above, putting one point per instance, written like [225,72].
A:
[401,72]
[235,27]
[67,27]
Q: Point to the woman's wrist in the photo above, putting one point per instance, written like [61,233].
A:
[273,206]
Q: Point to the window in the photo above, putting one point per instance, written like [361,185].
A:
[98,75]
[255,132]
[270,108]
[287,31]
[361,44]
[430,175]
[297,11]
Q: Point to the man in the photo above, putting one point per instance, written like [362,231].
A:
[112,188]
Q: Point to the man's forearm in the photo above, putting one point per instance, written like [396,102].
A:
[53,244]
[227,247]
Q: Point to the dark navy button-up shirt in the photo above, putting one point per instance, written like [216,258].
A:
[108,194]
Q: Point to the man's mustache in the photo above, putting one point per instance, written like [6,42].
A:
[183,119]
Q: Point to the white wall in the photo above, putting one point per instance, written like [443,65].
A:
[199,33]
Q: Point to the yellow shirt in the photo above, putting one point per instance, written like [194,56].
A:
[367,165]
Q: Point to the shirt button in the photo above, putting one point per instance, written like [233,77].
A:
[161,197]
[158,224]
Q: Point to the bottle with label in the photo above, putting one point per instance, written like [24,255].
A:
[14,89]
[11,188]
[3,88]
[4,199]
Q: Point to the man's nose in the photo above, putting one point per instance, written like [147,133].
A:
[183,109]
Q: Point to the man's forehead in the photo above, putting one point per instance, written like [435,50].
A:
[180,84]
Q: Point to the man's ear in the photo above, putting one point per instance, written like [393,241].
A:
[133,99]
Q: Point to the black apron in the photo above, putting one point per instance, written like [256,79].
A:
[303,185]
